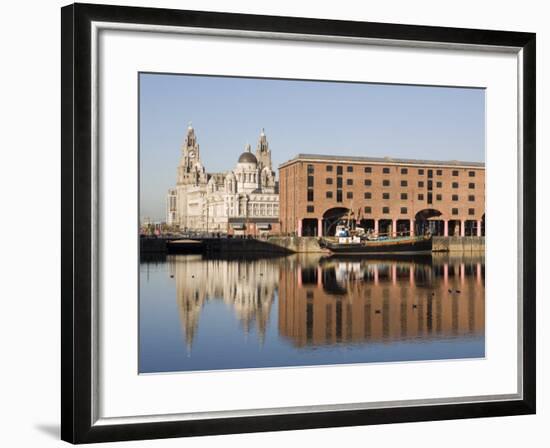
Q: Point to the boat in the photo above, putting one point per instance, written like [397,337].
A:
[382,245]
[351,239]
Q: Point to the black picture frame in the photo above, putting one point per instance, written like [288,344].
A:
[76,218]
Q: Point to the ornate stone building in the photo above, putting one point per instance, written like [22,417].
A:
[242,201]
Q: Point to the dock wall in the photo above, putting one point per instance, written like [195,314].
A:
[152,245]
[245,245]
[286,245]
[298,244]
[458,244]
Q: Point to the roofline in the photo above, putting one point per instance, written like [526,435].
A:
[381,161]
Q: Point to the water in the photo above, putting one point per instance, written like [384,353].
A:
[199,313]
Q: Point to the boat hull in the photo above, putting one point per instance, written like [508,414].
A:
[410,246]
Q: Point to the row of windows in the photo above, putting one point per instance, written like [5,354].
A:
[402,196]
[386,183]
[402,210]
[385,170]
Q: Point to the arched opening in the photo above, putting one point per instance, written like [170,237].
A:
[366,224]
[454,227]
[426,221]
[403,227]
[332,217]
[385,227]
[470,227]
[483,225]
[309,227]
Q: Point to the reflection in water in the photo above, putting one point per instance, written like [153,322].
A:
[307,310]
[248,286]
[358,300]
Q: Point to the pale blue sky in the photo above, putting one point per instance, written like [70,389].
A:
[336,118]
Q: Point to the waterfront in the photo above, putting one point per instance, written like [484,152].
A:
[200,313]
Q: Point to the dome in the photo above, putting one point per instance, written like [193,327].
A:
[248,157]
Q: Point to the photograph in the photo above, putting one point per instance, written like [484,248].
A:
[278,221]
[302,223]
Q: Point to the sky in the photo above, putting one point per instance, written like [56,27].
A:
[333,118]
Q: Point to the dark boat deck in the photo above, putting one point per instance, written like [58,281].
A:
[409,245]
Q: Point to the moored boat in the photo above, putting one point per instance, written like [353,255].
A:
[405,244]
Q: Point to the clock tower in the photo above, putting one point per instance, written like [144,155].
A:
[190,169]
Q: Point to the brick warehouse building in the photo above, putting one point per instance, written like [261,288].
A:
[387,195]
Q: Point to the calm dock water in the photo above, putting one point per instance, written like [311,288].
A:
[199,313]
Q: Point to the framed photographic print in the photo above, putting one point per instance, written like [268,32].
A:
[274,223]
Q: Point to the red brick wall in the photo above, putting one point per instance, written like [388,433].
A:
[293,191]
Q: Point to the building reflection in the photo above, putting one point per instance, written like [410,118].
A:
[324,301]
[360,300]
[247,286]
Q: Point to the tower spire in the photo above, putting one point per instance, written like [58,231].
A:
[263,154]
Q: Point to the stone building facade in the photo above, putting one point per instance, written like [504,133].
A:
[390,196]
[243,201]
